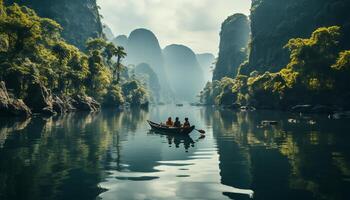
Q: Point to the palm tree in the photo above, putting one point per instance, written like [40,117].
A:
[120,53]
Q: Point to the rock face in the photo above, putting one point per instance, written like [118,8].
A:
[234,38]
[80,19]
[274,22]
[85,103]
[10,106]
[206,61]
[184,72]
[40,99]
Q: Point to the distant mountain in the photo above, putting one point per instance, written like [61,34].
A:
[120,40]
[206,61]
[184,72]
[142,47]
[145,73]
[108,32]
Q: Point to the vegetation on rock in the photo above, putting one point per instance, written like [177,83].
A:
[33,52]
[316,73]
[80,19]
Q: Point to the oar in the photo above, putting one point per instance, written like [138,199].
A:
[200,131]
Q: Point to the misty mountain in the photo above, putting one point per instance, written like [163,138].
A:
[175,61]
[184,72]
[145,73]
[108,32]
[206,61]
[142,46]
[120,40]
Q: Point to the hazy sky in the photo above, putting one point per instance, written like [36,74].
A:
[194,23]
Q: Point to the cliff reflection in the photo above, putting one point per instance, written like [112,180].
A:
[294,156]
[44,158]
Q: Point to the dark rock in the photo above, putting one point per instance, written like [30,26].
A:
[48,111]
[39,99]
[68,103]
[18,108]
[85,103]
[58,105]
[10,106]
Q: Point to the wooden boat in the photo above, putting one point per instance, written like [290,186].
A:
[173,130]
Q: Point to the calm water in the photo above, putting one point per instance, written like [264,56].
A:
[112,155]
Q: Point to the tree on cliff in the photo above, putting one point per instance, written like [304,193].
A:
[120,53]
[80,19]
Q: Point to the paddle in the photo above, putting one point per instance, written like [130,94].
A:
[201,131]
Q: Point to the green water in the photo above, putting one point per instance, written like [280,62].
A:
[113,155]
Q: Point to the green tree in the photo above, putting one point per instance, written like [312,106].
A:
[120,53]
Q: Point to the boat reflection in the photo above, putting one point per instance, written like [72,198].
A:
[177,140]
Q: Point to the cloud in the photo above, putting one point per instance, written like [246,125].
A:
[195,23]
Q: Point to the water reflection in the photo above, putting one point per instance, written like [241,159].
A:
[113,155]
[176,140]
[295,159]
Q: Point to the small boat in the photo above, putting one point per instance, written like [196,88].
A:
[179,105]
[173,130]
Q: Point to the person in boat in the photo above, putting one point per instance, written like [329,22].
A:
[186,123]
[170,122]
[177,123]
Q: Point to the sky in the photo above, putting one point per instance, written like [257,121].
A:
[194,23]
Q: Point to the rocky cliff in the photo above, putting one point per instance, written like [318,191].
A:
[274,22]
[234,38]
[80,19]
[184,72]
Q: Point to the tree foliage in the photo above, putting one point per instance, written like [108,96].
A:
[32,49]
[316,74]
